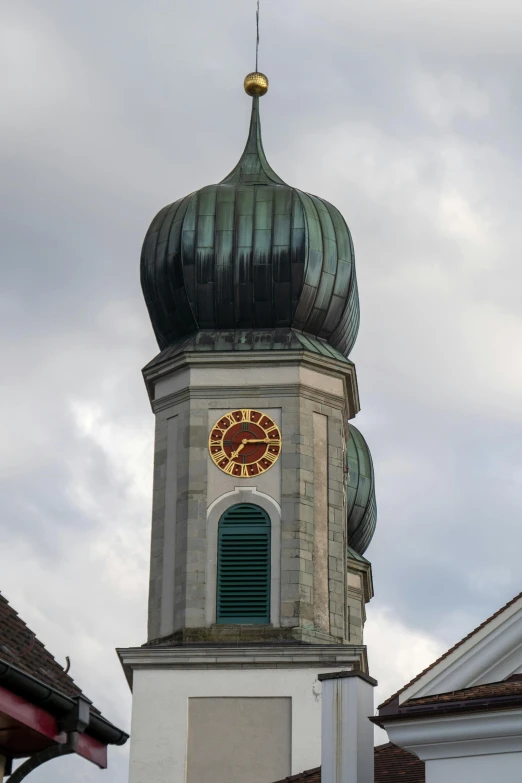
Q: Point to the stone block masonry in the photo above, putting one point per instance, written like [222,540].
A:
[305,488]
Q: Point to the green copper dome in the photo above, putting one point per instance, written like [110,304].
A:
[251,252]
[361,507]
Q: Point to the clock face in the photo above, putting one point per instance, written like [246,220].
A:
[244,443]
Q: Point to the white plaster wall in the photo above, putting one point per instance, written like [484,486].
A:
[160,714]
[497,768]
[347,754]
[475,747]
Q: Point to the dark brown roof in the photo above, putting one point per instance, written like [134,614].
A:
[452,649]
[490,690]
[494,696]
[20,647]
[396,765]
[392,765]
[309,776]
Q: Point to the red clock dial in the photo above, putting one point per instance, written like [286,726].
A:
[245,443]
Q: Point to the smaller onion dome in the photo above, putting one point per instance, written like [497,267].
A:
[361,507]
[251,252]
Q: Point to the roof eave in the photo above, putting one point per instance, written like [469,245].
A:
[57,704]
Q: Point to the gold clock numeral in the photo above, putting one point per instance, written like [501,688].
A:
[228,434]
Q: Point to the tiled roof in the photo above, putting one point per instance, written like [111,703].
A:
[20,647]
[309,776]
[396,765]
[392,765]
[452,649]
[493,696]
[490,690]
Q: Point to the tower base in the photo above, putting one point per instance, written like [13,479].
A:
[228,714]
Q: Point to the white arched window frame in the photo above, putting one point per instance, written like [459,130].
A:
[214,514]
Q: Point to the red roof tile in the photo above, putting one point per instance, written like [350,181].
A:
[494,696]
[490,690]
[396,765]
[452,649]
[21,648]
[309,776]
[392,765]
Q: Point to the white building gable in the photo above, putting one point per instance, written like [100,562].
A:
[463,715]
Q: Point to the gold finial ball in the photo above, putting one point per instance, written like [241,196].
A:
[256,84]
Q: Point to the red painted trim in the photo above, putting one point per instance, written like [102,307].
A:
[44,723]
[30,715]
[92,750]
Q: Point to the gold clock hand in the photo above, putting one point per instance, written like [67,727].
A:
[236,452]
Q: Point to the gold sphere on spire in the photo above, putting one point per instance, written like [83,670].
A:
[256,84]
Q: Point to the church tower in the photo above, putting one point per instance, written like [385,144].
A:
[263,500]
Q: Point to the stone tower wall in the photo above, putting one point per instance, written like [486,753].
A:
[309,397]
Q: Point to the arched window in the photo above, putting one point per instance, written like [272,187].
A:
[243,572]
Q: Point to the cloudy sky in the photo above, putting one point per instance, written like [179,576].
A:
[406,115]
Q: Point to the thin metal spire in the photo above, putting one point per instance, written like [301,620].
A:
[257,37]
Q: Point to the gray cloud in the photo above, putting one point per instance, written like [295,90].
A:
[406,116]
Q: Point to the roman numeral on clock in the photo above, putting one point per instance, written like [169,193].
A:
[233,444]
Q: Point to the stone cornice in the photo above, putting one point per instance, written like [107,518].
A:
[248,359]
[320,656]
[230,392]
[327,366]
[452,736]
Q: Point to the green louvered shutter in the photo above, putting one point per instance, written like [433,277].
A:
[243,578]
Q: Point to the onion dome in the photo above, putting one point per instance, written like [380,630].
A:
[251,252]
[361,507]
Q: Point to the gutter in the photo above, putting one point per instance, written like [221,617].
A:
[58,705]
[418,711]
